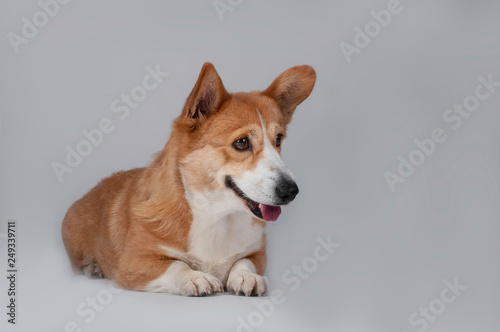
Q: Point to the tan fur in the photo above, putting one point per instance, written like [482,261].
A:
[119,226]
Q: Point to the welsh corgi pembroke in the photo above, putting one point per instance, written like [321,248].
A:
[193,221]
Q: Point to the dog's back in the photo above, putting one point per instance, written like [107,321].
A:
[92,219]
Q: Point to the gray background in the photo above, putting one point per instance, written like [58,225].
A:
[396,248]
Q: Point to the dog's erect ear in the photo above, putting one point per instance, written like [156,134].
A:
[291,88]
[206,98]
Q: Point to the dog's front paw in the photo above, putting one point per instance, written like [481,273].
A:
[247,283]
[200,283]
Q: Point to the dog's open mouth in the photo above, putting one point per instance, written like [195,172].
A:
[262,211]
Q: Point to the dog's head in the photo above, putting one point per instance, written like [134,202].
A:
[230,156]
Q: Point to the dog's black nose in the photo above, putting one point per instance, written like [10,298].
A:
[286,190]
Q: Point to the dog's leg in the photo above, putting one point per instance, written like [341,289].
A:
[93,270]
[169,276]
[181,279]
[245,278]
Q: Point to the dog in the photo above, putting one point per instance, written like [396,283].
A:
[193,221]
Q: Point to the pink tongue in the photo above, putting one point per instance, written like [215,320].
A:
[270,213]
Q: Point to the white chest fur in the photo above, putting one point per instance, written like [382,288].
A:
[220,234]
[217,245]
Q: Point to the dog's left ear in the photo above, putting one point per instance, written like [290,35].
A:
[291,88]
[206,98]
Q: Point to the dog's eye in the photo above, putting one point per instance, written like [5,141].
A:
[278,140]
[241,144]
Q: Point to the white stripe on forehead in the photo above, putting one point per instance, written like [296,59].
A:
[261,120]
[273,158]
[267,142]
[268,146]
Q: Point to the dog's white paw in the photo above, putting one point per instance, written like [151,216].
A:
[201,283]
[247,283]
[182,280]
[93,270]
